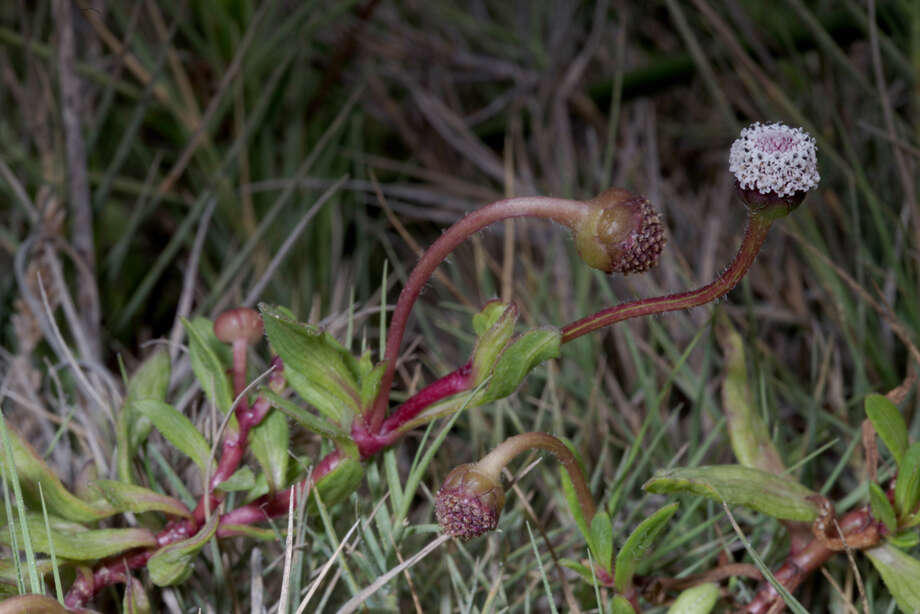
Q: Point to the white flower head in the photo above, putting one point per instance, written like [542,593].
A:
[774,159]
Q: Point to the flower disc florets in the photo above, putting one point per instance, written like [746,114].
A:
[774,161]
[469,502]
[622,234]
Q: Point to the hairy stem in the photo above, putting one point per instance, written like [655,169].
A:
[493,463]
[758,225]
[563,211]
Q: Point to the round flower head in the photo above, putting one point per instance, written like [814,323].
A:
[469,502]
[622,234]
[773,162]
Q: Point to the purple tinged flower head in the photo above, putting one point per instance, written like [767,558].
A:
[774,163]
[470,502]
[622,233]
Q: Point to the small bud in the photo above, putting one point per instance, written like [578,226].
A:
[240,323]
[621,234]
[469,502]
[774,164]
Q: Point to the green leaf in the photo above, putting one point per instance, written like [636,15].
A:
[303,417]
[338,484]
[269,443]
[749,437]
[172,564]
[777,496]
[132,498]
[700,599]
[242,479]
[135,600]
[149,381]
[907,486]
[178,430]
[493,339]
[33,471]
[601,542]
[881,507]
[620,605]
[518,359]
[905,540]
[582,570]
[209,369]
[315,365]
[637,546]
[76,542]
[888,423]
[571,497]
[901,574]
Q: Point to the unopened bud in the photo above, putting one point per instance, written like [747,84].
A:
[621,234]
[238,324]
[470,502]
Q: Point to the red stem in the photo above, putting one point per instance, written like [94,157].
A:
[563,211]
[799,565]
[758,225]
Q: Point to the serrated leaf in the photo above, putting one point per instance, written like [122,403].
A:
[303,417]
[638,545]
[601,542]
[315,365]
[209,369]
[777,496]
[881,507]
[76,542]
[697,600]
[178,430]
[888,423]
[269,444]
[172,563]
[33,471]
[518,359]
[907,485]
[149,381]
[901,574]
[132,498]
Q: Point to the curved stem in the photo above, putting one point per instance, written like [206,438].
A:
[493,463]
[563,211]
[758,225]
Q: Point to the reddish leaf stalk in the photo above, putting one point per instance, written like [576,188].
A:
[561,210]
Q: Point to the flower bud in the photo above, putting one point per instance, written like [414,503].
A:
[774,164]
[470,502]
[239,323]
[622,233]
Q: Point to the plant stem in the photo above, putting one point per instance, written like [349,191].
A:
[758,225]
[799,565]
[493,463]
[563,211]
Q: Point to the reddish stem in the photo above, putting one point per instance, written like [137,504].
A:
[240,347]
[799,565]
[563,211]
[758,225]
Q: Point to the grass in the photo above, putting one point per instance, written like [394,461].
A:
[450,107]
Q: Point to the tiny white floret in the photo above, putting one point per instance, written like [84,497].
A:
[774,158]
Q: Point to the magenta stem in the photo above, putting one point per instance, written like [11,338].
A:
[563,211]
[756,232]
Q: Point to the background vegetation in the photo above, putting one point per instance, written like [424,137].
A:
[163,158]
